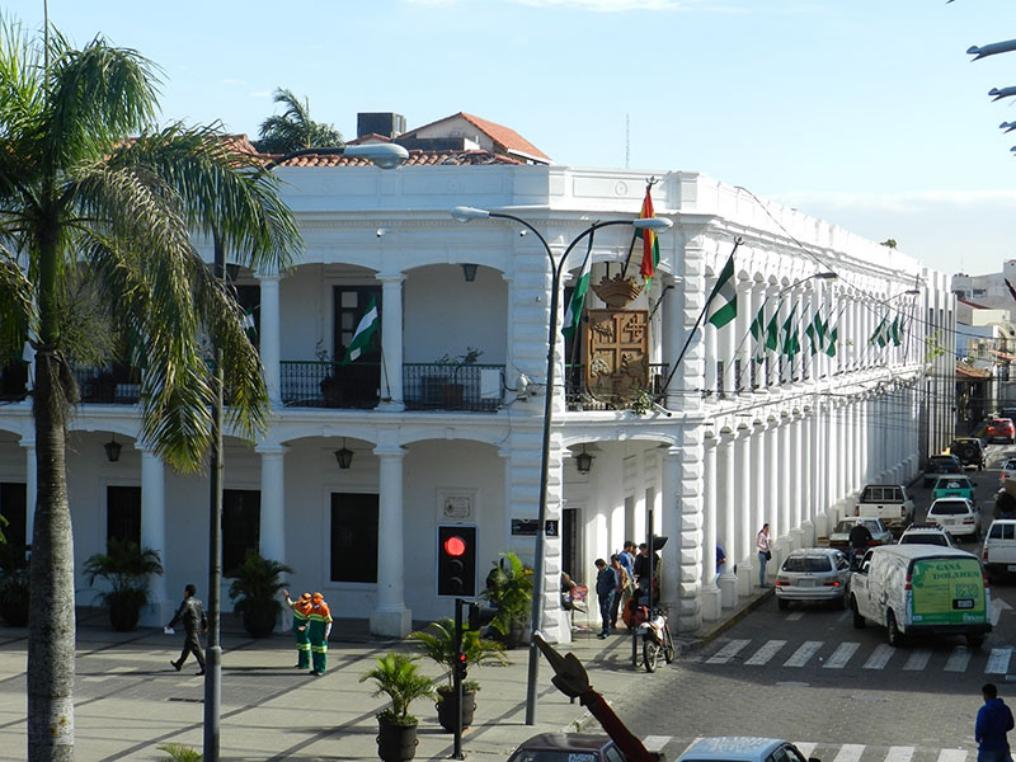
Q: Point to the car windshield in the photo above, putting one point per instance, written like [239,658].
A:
[1010,465]
[949,508]
[924,538]
[881,495]
[953,484]
[807,564]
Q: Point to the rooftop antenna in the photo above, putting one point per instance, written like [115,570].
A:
[627,140]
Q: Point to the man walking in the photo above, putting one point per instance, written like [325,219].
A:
[192,614]
[994,720]
[319,626]
[606,587]
[301,609]
[859,539]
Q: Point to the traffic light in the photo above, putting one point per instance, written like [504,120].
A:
[456,553]
[480,615]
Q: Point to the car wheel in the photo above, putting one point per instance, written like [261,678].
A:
[858,619]
[895,636]
[783,603]
[975,641]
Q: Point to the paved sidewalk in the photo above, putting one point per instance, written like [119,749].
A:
[129,700]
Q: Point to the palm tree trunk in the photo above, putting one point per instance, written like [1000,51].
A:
[51,635]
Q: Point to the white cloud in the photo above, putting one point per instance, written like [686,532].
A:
[902,202]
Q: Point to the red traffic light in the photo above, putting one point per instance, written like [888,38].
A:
[455,546]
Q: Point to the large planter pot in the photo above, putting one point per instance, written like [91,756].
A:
[395,743]
[123,614]
[515,636]
[14,606]
[259,621]
[448,708]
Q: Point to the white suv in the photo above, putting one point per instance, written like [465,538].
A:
[999,554]
[957,516]
[926,534]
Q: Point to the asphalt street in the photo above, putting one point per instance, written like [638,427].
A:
[808,676]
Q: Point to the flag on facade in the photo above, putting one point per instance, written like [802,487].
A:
[896,331]
[758,332]
[816,332]
[791,343]
[721,307]
[248,325]
[573,315]
[650,244]
[881,334]
[831,337]
[365,331]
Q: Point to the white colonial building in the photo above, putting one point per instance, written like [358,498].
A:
[441,425]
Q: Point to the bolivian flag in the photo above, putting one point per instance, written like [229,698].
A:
[650,244]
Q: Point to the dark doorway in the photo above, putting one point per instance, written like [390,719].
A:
[571,544]
[13,507]
[359,383]
[241,527]
[123,514]
[354,537]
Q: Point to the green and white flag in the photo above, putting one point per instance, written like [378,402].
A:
[791,343]
[766,335]
[831,337]
[881,334]
[897,331]
[573,315]
[816,332]
[248,325]
[721,307]
[364,334]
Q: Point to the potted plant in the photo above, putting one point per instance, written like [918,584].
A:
[396,675]
[126,567]
[510,591]
[255,592]
[14,585]
[438,642]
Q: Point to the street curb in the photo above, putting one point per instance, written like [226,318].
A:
[718,629]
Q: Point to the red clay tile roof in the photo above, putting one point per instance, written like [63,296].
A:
[505,138]
[416,159]
[968,371]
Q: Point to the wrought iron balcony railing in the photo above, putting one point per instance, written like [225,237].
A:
[316,383]
[578,397]
[110,385]
[453,386]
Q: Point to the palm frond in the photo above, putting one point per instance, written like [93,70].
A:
[17,312]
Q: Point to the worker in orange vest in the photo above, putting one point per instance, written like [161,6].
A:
[301,609]
[319,625]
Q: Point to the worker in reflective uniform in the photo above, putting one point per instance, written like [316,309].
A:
[319,626]
[301,609]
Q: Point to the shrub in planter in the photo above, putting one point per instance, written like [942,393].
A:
[126,567]
[255,590]
[438,642]
[510,591]
[14,598]
[396,675]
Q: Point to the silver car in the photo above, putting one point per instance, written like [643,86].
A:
[813,575]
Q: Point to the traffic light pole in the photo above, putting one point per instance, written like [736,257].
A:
[457,671]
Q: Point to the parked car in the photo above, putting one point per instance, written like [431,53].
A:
[839,538]
[1001,429]
[912,589]
[941,465]
[926,534]
[567,747]
[743,749]
[813,575]
[957,515]
[970,452]
[889,502]
[953,486]
[999,552]
[1008,470]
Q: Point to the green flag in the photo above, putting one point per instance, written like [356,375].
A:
[758,332]
[573,315]
[830,348]
[897,331]
[722,305]
[249,327]
[791,344]
[880,336]
[364,333]
[816,332]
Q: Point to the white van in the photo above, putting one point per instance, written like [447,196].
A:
[913,589]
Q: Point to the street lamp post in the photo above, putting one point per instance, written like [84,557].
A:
[384,156]
[467,214]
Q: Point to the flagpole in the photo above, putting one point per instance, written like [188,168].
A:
[575,333]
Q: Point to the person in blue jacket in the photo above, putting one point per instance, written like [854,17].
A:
[606,589]
[994,720]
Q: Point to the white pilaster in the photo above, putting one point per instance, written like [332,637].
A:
[727,580]
[269,337]
[710,592]
[784,494]
[273,502]
[670,556]
[797,487]
[153,535]
[391,341]
[809,483]
[390,616]
[743,522]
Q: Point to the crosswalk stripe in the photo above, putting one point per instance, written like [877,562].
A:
[880,656]
[918,660]
[803,654]
[998,662]
[958,659]
[656,743]
[795,616]
[841,655]
[807,748]
[728,652]
[952,755]
[765,653]
[899,754]
[850,752]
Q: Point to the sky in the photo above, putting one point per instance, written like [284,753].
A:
[867,113]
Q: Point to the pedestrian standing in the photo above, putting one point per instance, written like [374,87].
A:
[721,560]
[994,720]
[606,586]
[627,556]
[764,547]
[319,626]
[192,614]
[301,610]
[623,581]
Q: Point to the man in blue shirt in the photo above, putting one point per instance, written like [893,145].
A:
[606,588]
[994,720]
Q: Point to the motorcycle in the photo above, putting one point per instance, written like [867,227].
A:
[654,634]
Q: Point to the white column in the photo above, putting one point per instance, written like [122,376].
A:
[809,484]
[670,487]
[153,534]
[710,592]
[390,616]
[758,298]
[269,337]
[672,343]
[759,487]
[786,523]
[31,488]
[772,478]
[391,341]
[273,502]
[742,511]
[796,486]
[743,343]
[711,344]
[727,581]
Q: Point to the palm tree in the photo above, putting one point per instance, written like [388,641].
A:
[293,129]
[93,194]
